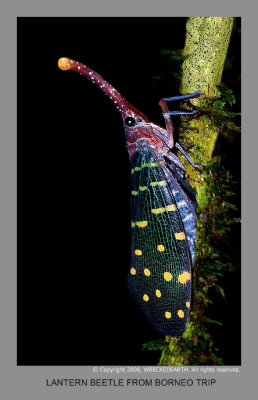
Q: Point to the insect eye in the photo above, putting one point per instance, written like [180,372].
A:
[130,121]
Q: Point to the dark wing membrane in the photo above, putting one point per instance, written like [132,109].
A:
[160,271]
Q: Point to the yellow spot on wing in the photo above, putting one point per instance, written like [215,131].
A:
[167,276]
[134,193]
[181,313]
[133,224]
[133,271]
[146,272]
[184,277]
[171,207]
[161,183]
[158,210]
[168,314]
[158,293]
[138,252]
[142,224]
[132,171]
[180,235]
[144,165]
[188,304]
[145,297]
[161,247]
[142,188]
[153,164]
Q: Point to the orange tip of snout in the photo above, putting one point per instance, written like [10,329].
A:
[64,63]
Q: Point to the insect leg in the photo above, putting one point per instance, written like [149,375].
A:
[167,113]
[186,96]
[180,112]
[186,156]
[168,122]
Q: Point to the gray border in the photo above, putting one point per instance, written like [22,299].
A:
[30,382]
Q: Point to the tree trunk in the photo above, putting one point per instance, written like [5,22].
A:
[206,45]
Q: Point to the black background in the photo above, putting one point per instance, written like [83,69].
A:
[74,192]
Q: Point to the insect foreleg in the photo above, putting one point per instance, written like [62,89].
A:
[168,122]
[186,96]
[180,112]
[167,114]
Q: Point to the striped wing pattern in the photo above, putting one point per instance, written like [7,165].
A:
[187,212]
[160,273]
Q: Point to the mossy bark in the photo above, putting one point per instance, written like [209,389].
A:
[206,45]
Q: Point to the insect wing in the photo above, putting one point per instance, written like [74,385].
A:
[160,273]
[186,208]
